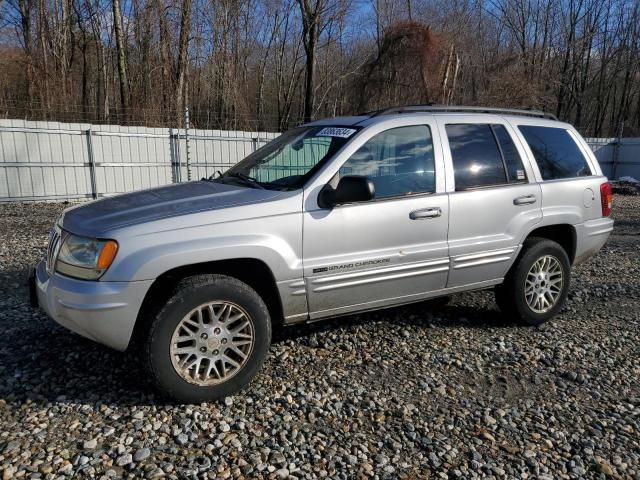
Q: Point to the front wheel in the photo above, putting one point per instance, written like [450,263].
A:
[536,287]
[209,340]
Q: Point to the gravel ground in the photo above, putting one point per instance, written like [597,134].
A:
[423,391]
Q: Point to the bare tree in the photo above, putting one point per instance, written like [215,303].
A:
[270,64]
[182,66]
[311,18]
[25,8]
[405,69]
[122,55]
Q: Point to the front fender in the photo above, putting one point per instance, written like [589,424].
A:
[145,262]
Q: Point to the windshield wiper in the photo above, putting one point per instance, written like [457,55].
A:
[212,177]
[245,178]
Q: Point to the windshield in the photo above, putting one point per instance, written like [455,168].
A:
[288,161]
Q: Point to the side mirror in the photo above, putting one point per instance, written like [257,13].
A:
[350,189]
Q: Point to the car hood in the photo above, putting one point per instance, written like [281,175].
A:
[95,218]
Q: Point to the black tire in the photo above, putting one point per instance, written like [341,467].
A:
[510,295]
[190,293]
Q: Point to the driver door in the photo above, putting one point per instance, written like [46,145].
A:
[391,249]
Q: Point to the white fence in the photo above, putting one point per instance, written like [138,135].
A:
[617,157]
[62,161]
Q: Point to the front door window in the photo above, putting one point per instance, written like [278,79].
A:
[398,161]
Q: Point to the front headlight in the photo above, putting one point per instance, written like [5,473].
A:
[85,258]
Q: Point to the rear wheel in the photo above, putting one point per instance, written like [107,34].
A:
[209,340]
[536,287]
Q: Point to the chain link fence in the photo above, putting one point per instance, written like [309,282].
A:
[73,161]
[66,161]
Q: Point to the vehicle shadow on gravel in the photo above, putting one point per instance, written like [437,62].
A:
[44,363]
[428,314]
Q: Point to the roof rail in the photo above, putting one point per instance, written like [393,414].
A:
[462,109]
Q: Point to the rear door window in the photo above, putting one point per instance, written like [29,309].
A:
[483,155]
[512,160]
[556,152]
[476,158]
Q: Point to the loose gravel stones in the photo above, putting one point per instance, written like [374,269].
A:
[423,391]
[90,444]
[141,455]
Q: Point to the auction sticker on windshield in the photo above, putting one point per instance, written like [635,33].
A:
[336,132]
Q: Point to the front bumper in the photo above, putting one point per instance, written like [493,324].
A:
[105,312]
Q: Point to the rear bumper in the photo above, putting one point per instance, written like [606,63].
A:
[105,312]
[590,237]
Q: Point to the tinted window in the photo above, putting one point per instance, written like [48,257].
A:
[557,154]
[477,161]
[512,160]
[398,161]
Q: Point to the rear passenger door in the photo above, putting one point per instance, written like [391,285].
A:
[493,197]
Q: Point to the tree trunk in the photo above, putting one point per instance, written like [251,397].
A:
[25,22]
[104,110]
[122,57]
[85,78]
[181,71]
[45,94]
[165,58]
[65,49]
[310,33]
[309,92]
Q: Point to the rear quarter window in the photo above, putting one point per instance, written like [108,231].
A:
[556,152]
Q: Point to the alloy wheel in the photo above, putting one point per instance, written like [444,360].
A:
[212,343]
[544,283]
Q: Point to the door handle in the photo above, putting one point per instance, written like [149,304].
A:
[524,200]
[425,213]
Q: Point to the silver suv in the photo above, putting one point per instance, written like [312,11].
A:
[333,217]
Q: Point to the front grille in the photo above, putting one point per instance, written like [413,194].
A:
[53,247]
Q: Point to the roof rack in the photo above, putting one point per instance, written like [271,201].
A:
[462,109]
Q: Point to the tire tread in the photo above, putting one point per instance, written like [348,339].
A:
[506,294]
[185,286]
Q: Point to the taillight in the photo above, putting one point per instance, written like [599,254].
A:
[606,199]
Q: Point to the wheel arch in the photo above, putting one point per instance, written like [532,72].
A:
[252,271]
[563,234]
